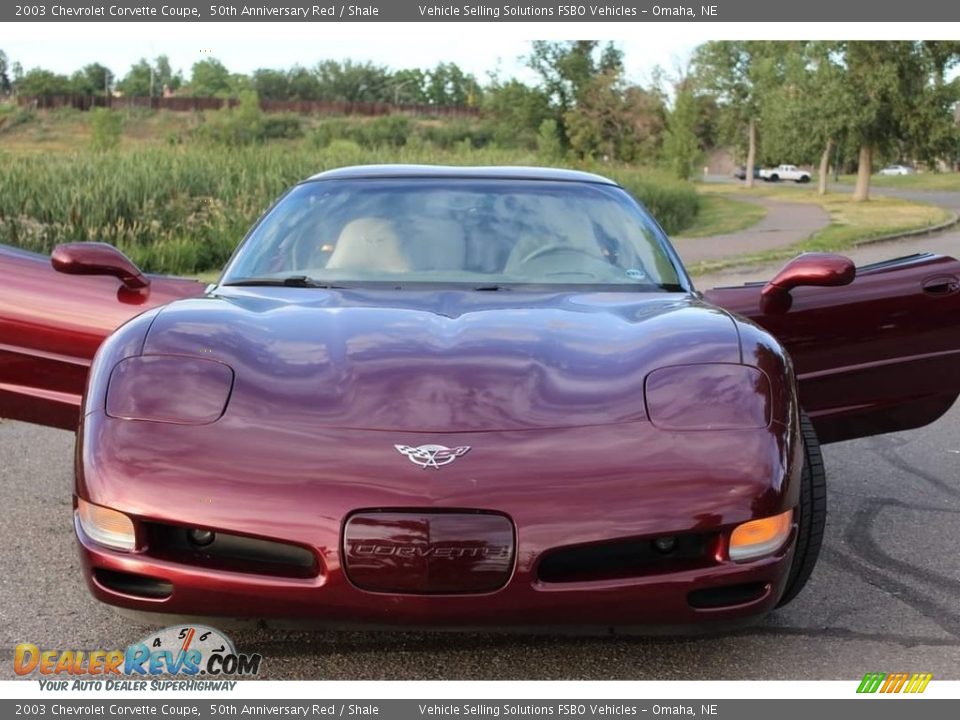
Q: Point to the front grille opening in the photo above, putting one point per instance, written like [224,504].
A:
[225,551]
[727,595]
[626,558]
[131,584]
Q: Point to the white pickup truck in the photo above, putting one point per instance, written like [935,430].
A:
[785,172]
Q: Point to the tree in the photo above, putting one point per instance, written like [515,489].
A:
[567,69]
[302,84]
[93,79]
[139,80]
[518,111]
[209,78]
[614,120]
[408,86]
[681,147]
[738,73]
[43,82]
[352,81]
[271,84]
[902,97]
[5,85]
[164,77]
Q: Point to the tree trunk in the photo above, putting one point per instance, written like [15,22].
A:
[751,153]
[824,168]
[864,167]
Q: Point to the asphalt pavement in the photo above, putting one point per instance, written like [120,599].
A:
[785,224]
[883,598]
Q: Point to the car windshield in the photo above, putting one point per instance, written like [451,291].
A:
[484,234]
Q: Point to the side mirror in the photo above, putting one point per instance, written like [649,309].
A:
[95,258]
[818,269]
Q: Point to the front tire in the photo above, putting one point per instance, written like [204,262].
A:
[804,179]
[811,512]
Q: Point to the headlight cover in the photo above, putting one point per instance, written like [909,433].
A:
[106,526]
[714,396]
[170,389]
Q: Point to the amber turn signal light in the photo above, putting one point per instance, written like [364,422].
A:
[106,527]
[760,537]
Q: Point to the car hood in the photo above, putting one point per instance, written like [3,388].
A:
[441,361]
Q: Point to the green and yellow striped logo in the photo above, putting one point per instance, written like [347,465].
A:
[894,682]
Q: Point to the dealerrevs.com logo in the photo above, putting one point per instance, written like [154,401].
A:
[179,651]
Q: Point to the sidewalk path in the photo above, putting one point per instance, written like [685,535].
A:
[947,243]
[786,223]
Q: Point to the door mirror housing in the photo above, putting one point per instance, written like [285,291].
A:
[809,269]
[96,258]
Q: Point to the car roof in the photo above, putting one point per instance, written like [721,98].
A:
[459,172]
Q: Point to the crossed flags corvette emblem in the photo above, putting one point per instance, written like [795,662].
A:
[432,456]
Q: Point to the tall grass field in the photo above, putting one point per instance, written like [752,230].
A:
[182,208]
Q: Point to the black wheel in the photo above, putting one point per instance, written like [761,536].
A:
[812,512]
[774,178]
[804,179]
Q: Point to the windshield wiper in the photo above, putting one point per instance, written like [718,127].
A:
[289,281]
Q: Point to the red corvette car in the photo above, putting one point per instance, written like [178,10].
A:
[464,397]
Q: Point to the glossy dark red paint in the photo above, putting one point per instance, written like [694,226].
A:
[96,258]
[561,447]
[807,270]
[139,389]
[877,355]
[590,418]
[718,397]
[51,324]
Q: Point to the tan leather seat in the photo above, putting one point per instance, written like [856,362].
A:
[368,244]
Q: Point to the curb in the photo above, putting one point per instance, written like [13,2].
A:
[954,220]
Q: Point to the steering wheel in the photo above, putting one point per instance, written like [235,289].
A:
[554,248]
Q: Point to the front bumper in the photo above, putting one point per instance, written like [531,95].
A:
[634,482]
[330,599]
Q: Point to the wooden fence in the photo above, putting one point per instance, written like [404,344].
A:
[193,104]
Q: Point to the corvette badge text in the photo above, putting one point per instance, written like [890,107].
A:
[186,651]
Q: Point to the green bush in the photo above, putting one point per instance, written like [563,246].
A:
[673,203]
[446,135]
[384,131]
[282,127]
[244,124]
[549,145]
[11,116]
[106,129]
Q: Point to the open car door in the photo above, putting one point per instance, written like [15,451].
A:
[877,355]
[51,324]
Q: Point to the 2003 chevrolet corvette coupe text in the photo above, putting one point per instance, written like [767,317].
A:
[463,397]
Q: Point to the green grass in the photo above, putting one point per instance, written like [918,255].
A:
[851,223]
[181,207]
[919,181]
[721,215]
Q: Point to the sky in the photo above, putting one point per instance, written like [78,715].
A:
[243,47]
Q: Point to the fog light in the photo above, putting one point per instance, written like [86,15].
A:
[201,538]
[665,545]
[105,526]
[760,537]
